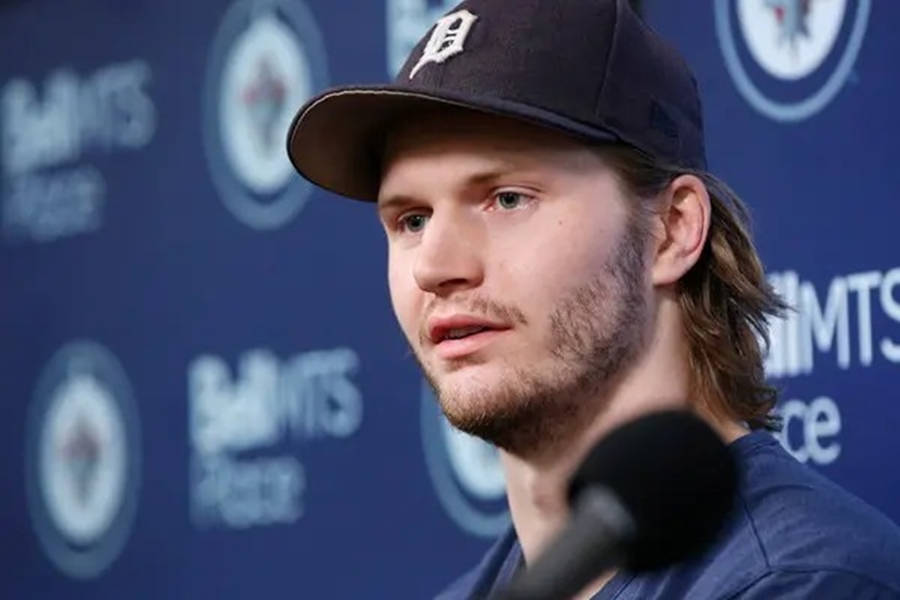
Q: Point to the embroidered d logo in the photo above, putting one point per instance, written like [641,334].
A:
[446,40]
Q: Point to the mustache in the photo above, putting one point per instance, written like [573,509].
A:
[479,306]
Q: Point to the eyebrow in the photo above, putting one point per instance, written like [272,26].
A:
[396,202]
[480,178]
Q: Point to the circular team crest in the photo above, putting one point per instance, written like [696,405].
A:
[267,59]
[82,459]
[466,473]
[790,58]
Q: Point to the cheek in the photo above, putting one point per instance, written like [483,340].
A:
[549,261]
[405,296]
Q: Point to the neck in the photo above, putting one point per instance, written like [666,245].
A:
[657,380]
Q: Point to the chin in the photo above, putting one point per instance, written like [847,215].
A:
[508,406]
[476,417]
[518,410]
[500,410]
[470,392]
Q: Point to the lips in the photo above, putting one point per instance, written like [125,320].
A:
[458,327]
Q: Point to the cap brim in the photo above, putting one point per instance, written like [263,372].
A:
[336,138]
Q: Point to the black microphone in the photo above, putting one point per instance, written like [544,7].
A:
[651,493]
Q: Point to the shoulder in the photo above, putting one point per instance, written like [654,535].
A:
[791,529]
[800,525]
[821,584]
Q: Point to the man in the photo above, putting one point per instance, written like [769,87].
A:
[561,263]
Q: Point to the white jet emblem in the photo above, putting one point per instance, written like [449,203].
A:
[446,40]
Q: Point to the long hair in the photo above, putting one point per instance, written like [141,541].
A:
[724,298]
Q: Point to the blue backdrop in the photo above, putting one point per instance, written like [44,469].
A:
[207,394]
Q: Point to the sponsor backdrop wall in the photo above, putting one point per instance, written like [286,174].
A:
[206,395]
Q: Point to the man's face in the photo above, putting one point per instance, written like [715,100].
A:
[515,270]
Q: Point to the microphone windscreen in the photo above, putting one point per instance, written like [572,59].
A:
[675,476]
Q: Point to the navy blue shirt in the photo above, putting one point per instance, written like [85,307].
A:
[793,534]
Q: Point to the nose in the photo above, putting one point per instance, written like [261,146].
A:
[449,256]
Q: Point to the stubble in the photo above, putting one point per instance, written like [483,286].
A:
[596,330]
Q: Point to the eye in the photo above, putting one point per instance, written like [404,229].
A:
[509,200]
[412,222]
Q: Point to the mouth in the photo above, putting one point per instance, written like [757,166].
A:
[452,342]
[459,333]
[459,347]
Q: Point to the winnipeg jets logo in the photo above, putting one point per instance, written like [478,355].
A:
[81,456]
[267,58]
[446,39]
[264,97]
[792,17]
[82,459]
[790,39]
[790,58]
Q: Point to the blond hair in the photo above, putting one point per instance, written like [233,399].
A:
[725,298]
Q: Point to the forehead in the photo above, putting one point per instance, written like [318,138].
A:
[480,141]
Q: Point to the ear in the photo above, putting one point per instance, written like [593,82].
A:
[685,224]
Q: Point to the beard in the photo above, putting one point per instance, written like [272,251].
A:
[596,330]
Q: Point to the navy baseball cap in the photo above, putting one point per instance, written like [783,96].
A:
[588,68]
